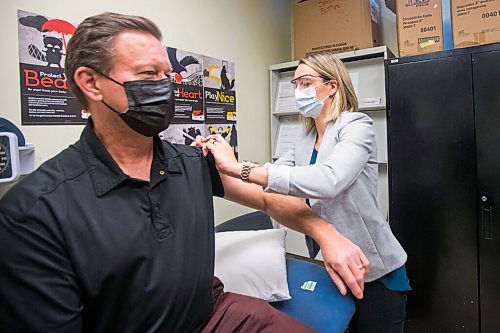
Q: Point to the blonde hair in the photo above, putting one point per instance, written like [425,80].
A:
[330,67]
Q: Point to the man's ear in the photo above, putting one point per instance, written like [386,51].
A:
[86,79]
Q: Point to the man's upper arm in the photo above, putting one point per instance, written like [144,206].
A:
[215,177]
[38,288]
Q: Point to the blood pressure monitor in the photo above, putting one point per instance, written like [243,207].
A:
[9,157]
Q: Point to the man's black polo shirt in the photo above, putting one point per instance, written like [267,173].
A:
[84,247]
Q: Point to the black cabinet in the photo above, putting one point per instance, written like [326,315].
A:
[486,78]
[444,185]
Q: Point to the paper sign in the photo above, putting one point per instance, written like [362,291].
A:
[309,285]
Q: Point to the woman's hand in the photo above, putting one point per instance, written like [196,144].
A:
[345,262]
[200,142]
[225,160]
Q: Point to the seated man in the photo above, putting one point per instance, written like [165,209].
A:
[116,233]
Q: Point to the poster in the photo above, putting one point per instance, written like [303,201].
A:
[188,84]
[204,87]
[45,97]
[227,131]
[205,98]
[220,99]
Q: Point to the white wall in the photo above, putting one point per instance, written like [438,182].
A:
[252,33]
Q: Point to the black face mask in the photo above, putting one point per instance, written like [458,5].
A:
[151,105]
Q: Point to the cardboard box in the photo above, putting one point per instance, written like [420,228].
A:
[420,26]
[335,26]
[475,22]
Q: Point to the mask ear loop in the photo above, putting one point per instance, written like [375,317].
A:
[107,77]
[112,80]
[324,99]
[327,96]
[112,109]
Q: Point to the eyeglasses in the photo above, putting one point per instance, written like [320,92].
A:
[305,80]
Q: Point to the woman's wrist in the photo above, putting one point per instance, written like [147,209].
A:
[324,233]
[246,169]
[233,169]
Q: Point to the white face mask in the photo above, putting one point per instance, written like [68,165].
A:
[307,102]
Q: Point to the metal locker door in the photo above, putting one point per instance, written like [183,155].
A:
[486,74]
[432,179]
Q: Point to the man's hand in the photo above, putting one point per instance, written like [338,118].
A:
[344,261]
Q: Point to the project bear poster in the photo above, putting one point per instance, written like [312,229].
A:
[45,97]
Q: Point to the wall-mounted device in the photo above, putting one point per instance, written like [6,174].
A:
[16,157]
[9,157]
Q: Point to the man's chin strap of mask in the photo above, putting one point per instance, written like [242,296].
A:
[111,108]
[150,105]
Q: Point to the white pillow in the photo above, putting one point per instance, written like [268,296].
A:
[253,263]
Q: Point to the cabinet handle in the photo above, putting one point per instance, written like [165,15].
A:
[486,222]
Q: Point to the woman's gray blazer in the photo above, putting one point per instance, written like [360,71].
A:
[342,187]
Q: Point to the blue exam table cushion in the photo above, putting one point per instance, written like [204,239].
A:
[324,308]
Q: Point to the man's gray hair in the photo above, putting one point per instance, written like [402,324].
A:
[92,44]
